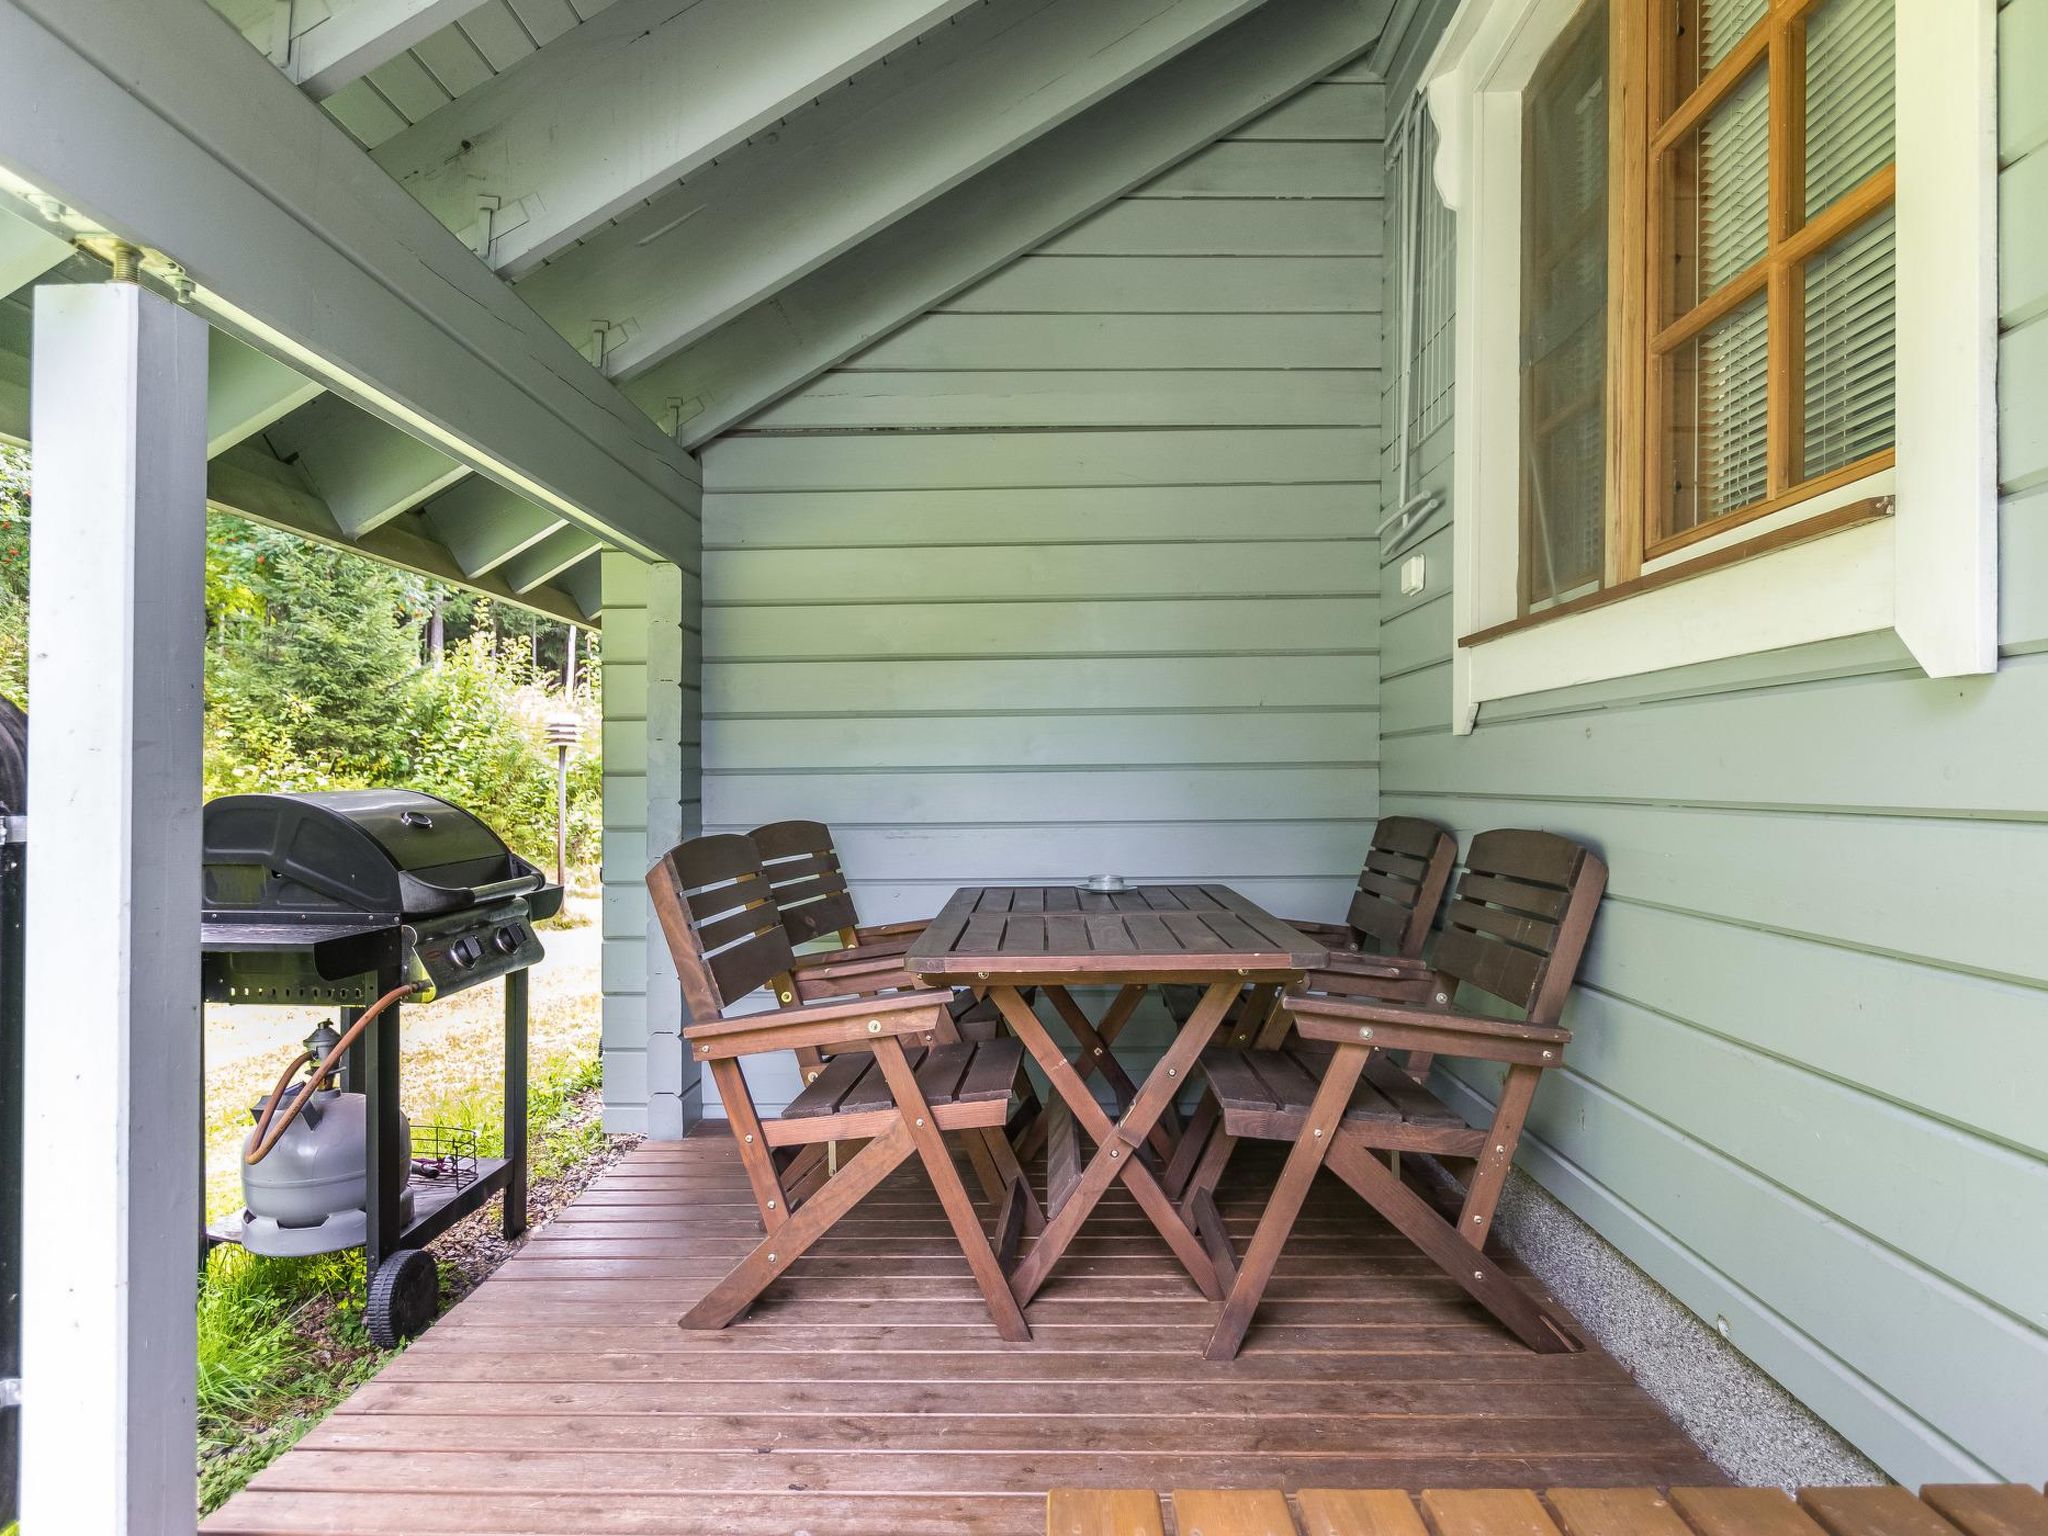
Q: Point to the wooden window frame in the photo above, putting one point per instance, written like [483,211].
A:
[1923,566]
[1776,43]
[1649,123]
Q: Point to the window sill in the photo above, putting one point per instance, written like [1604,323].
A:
[1836,520]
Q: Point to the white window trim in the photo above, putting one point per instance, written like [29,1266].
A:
[1929,572]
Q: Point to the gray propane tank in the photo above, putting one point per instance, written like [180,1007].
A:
[306,1196]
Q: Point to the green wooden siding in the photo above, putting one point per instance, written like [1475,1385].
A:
[1805,1088]
[1076,573]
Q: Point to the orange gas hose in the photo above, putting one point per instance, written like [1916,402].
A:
[266,1134]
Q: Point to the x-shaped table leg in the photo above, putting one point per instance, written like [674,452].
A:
[1094,1041]
[1117,1142]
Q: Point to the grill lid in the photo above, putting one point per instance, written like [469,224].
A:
[390,853]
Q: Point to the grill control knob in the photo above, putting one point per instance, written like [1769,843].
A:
[466,952]
[509,938]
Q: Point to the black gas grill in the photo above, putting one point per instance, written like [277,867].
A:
[313,898]
[340,897]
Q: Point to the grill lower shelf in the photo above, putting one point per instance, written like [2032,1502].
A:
[437,1204]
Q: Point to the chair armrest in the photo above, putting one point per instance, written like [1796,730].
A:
[1367,976]
[856,1021]
[860,981]
[875,931]
[1398,1026]
[849,962]
[1334,934]
[1362,964]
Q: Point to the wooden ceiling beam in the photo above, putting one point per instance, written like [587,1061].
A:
[737,234]
[483,525]
[899,273]
[355,36]
[366,470]
[249,482]
[522,167]
[153,121]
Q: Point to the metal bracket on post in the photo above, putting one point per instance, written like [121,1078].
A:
[10,1391]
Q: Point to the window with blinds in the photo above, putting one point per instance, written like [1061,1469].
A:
[1723,349]
[1419,316]
[1564,316]
[1771,266]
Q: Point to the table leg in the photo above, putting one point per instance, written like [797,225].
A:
[1117,1142]
[1093,1053]
[1095,1045]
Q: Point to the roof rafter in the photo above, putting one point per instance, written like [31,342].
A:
[483,525]
[246,391]
[366,470]
[521,167]
[737,234]
[548,559]
[1025,199]
[27,251]
[249,482]
[295,241]
[358,35]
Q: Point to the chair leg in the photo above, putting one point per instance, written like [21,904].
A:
[1318,1130]
[916,1115]
[1490,1172]
[754,1155]
[1541,1328]
[1210,1168]
[806,1171]
[1192,1142]
[786,1243]
[1004,1159]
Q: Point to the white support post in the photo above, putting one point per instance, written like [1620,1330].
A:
[111,1200]
[650,805]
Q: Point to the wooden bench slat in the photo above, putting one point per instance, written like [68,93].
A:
[991,1072]
[1742,1512]
[1990,1509]
[822,1096]
[1616,1512]
[1103,1512]
[1417,1104]
[1872,1512]
[1487,1512]
[1232,1512]
[1358,1512]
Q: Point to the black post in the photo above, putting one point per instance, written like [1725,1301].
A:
[515,1103]
[388,1170]
[355,1061]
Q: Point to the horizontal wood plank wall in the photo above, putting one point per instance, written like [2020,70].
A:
[1075,574]
[1805,1091]
[652,652]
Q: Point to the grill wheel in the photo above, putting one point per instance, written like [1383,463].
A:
[404,1295]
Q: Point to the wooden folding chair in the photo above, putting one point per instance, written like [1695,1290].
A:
[1400,887]
[1379,943]
[1516,932]
[810,887]
[879,1083]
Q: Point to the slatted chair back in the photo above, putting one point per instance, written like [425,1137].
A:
[1519,922]
[717,909]
[810,887]
[1402,884]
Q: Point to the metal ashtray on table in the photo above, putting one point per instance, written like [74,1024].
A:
[364,899]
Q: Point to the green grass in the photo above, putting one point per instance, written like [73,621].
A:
[281,1341]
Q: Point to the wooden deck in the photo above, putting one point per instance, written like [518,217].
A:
[868,1392]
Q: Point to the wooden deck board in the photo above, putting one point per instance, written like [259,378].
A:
[868,1391]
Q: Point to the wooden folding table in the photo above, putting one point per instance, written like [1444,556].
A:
[1001,939]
